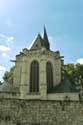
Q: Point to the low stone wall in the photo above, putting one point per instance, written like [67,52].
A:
[37,96]
[37,112]
[63,96]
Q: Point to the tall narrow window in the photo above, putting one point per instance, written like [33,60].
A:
[49,75]
[34,76]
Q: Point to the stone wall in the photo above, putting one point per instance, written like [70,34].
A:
[36,112]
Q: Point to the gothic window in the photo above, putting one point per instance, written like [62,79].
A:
[49,76]
[34,76]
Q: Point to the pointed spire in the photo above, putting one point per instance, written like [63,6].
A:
[45,34]
[45,38]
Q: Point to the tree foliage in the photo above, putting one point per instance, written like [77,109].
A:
[75,73]
[8,74]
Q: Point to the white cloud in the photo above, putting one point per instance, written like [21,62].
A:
[9,43]
[4,54]
[2,35]
[10,38]
[7,38]
[4,48]
[80,61]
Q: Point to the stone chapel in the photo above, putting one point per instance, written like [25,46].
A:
[39,92]
[38,70]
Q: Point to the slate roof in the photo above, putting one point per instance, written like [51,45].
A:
[66,86]
[38,43]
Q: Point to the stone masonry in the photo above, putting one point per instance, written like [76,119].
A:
[37,112]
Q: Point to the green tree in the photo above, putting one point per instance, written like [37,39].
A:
[75,73]
[8,75]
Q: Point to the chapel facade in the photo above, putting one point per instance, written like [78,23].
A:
[38,70]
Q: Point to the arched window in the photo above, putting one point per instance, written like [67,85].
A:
[34,76]
[49,76]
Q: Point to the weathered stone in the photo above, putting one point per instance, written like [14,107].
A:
[27,112]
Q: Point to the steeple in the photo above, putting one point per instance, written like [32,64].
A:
[40,42]
[45,38]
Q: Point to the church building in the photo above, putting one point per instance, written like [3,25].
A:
[40,92]
[38,70]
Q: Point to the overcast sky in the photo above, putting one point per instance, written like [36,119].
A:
[22,20]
